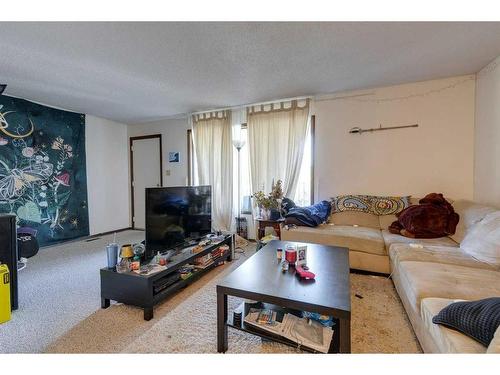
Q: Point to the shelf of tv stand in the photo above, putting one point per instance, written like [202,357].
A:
[195,276]
[138,290]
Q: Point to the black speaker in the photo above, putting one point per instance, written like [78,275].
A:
[8,252]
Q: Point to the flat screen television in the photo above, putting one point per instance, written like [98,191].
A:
[176,215]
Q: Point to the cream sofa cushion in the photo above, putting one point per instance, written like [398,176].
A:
[368,240]
[470,214]
[390,238]
[424,279]
[482,241]
[362,219]
[494,347]
[414,200]
[369,262]
[435,254]
[385,221]
[446,339]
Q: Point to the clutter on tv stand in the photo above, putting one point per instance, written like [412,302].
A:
[145,283]
[132,255]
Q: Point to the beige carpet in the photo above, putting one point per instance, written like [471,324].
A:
[59,288]
[187,323]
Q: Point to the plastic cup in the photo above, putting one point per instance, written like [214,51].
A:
[112,252]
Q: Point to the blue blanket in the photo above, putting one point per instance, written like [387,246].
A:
[310,216]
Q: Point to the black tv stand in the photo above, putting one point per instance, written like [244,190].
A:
[145,291]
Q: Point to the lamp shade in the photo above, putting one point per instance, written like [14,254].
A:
[238,139]
[127,251]
[238,143]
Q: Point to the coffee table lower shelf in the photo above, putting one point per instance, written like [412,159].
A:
[248,328]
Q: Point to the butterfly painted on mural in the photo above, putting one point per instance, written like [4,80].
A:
[14,183]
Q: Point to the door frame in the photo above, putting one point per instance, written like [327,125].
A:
[131,154]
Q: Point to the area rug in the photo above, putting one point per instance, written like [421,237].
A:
[187,323]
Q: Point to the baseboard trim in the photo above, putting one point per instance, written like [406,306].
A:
[85,238]
[371,273]
[109,232]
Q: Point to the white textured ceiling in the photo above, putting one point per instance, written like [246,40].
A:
[139,72]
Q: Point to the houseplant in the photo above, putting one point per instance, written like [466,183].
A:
[270,204]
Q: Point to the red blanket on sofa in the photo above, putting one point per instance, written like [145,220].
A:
[433,217]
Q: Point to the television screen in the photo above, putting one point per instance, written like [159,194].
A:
[175,215]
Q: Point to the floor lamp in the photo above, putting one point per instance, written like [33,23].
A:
[238,142]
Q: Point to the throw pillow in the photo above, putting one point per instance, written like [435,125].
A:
[482,241]
[476,319]
[389,205]
[470,213]
[370,204]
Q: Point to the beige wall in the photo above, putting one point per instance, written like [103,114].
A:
[487,135]
[174,138]
[106,154]
[435,157]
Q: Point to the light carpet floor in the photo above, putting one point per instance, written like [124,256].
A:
[186,323]
[59,288]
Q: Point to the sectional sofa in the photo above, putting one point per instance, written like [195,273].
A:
[428,273]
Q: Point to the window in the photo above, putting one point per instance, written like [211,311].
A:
[303,195]
[245,182]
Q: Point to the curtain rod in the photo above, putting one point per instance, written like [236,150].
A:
[251,104]
[357,130]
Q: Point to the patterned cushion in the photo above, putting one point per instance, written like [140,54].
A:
[477,319]
[370,204]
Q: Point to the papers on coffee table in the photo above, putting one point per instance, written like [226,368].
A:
[304,332]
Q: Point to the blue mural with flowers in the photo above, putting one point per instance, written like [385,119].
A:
[43,178]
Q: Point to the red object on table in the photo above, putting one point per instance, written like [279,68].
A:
[291,256]
[304,274]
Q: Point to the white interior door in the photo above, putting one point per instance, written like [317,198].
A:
[146,164]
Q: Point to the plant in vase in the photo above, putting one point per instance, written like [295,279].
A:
[263,203]
[277,195]
[270,203]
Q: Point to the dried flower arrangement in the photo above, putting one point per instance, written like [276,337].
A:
[271,200]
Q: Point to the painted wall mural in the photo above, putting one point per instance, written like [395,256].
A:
[43,176]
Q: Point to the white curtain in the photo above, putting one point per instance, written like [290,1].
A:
[214,156]
[276,138]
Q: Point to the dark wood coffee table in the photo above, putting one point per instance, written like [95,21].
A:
[260,278]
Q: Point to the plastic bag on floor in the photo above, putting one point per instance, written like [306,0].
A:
[240,242]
